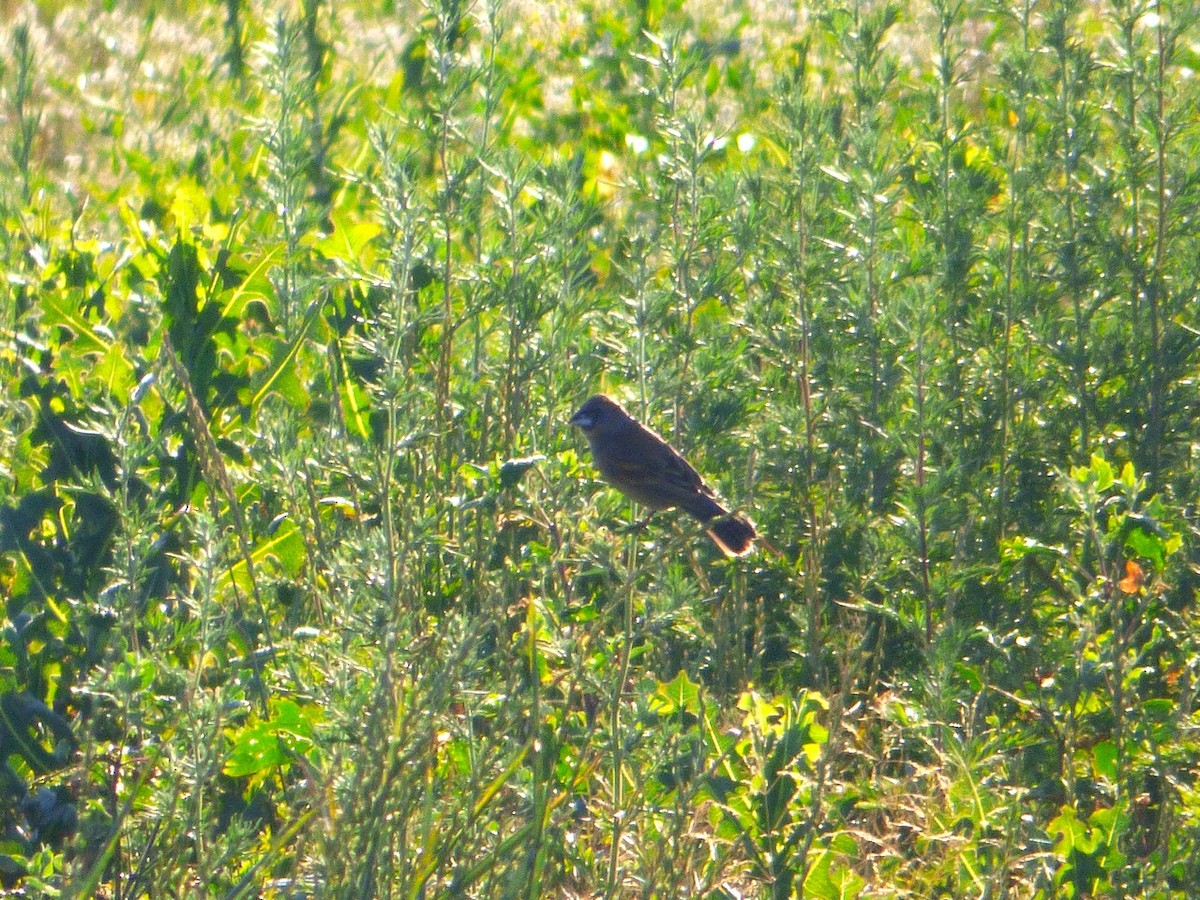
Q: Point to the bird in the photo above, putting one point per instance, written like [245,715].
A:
[649,471]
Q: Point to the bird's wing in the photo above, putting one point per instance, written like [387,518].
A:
[656,455]
[648,470]
[679,471]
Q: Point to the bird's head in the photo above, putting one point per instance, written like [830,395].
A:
[598,413]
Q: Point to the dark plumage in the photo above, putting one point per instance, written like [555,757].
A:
[648,470]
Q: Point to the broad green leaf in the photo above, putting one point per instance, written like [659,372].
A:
[255,749]
[349,240]
[1104,759]
[680,694]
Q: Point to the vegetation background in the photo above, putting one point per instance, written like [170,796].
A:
[309,592]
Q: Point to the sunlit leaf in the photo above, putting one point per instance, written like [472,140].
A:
[679,695]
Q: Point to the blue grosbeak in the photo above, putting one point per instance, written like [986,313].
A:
[649,471]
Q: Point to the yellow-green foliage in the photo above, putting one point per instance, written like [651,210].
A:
[309,588]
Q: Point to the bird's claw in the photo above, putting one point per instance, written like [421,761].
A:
[636,527]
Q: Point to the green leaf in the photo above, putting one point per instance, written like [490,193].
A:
[1128,477]
[285,544]
[829,876]
[1148,545]
[266,744]
[348,241]
[255,749]
[679,695]
[762,714]
[1017,548]
[1104,759]
[284,363]
[356,403]
[190,206]
[1073,835]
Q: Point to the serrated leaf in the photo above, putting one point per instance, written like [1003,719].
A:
[680,694]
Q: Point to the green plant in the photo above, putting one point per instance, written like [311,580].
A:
[308,589]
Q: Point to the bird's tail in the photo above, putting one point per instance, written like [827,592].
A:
[733,534]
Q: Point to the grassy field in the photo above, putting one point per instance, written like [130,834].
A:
[311,591]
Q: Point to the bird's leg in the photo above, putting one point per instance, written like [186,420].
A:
[638,526]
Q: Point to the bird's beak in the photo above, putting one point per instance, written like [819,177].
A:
[582,420]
